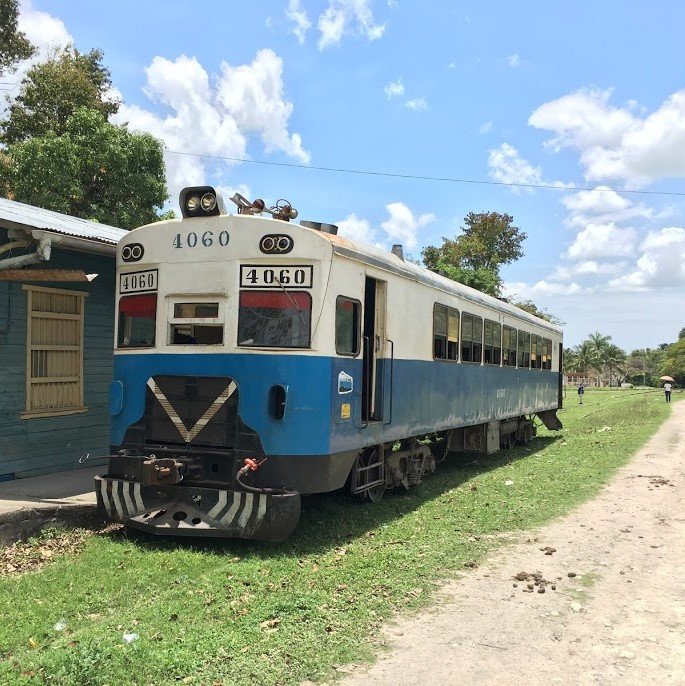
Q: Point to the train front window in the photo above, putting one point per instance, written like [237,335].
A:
[137,321]
[196,323]
[269,319]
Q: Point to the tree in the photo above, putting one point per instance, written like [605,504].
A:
[674,361]
[530,307]
[14,46]
[681,334]
[52,91]
[488,241]
[93,170]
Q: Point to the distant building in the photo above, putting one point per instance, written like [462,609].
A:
[588,378]
[57,285]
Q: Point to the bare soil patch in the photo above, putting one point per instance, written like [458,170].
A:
[597,597]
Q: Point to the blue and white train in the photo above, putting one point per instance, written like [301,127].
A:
[257,360]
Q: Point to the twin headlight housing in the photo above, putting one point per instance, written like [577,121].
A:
[200,201]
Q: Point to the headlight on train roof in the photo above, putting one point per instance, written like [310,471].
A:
[200,201]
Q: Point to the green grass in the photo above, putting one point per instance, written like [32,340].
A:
[247,613]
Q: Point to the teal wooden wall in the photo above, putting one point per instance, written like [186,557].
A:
[38,446]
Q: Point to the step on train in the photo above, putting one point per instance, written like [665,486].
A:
[258,360]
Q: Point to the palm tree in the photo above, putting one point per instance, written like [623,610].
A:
[586,357]
[614,358]
[600,344]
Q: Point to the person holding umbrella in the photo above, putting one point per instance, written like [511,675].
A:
[667,387]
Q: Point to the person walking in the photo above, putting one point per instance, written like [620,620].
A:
[667,390]
[581,392]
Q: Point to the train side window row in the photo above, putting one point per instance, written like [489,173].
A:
[487,341]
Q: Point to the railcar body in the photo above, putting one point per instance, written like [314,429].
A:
[241,338]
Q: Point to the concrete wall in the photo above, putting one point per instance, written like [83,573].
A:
[41,445]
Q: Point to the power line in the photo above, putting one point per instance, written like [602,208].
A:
[417,177]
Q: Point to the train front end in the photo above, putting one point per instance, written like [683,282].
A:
[214,371]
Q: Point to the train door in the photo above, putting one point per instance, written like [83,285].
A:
[374,350]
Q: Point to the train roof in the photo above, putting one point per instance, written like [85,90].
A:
[370,254]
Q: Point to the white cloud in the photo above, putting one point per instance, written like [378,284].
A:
[602,206]
[485,127]
[357,229]
[402,226]
[507,166]
[298,16]
[215,119]
[525,291]
[602,241]
[452,65]
[346,17]
[660,265]
[46,32]
[417,104]
[514,60]
[394,89]
[586,270]
[621,143]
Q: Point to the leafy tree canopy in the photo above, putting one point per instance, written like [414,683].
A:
[52,91]
[14,46]
[530,307]
[93,170]
[674,361]
[681,334]
[488,240]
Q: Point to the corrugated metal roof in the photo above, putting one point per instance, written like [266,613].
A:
[47,220]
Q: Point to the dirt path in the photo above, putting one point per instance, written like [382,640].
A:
[620,620]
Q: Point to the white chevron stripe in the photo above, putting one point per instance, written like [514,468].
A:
[115,497]
[247,511]
[127,488]
[229,516]
[105,497]
[220,504]
[261,510]
[136,495]
[207,417]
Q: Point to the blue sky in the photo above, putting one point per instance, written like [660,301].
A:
[567,94]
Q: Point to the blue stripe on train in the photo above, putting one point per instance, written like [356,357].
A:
[426,396]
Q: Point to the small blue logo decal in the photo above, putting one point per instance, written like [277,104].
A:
[345,383]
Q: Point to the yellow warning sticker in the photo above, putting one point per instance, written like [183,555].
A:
[345,411]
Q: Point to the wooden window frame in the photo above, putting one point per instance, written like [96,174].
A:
[511,348]
[30,348]
[492,347]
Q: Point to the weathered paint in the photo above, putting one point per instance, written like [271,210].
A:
[42,445]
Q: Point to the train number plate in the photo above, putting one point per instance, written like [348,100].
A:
[276,276]
[138,282]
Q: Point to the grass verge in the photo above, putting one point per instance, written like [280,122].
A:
[243,613]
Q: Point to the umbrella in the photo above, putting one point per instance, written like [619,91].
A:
[666,378]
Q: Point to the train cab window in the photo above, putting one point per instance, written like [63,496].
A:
[445,333]
[471,338]
[536,352]
[508,346]
[137,321]
[347,326]
[546,354]
[196,323]
[523,350]
[272,319]
[492,342]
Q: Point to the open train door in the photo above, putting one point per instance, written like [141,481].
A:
[374,337]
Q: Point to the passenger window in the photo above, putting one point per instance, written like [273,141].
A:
[196,323]
[271,319]
[523,350]
[509,346]
[347,320]
[493,342]
[536,352]
[445,333]
[471,338]
[546,353]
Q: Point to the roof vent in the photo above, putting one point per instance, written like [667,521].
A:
[319,226]
[398,251]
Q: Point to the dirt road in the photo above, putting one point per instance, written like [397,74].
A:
[617,615]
